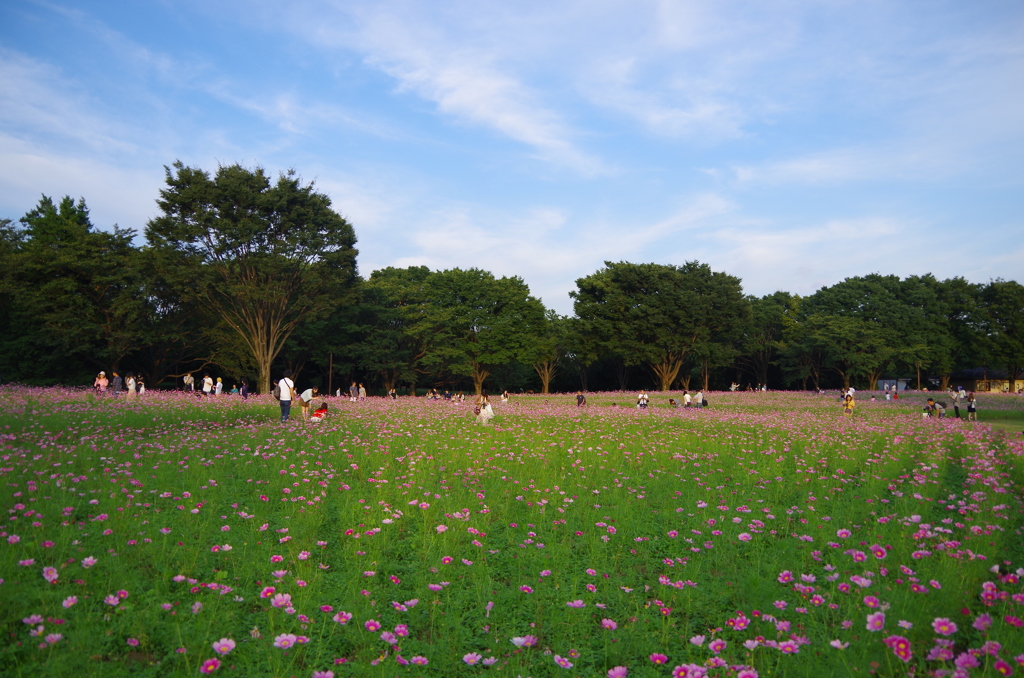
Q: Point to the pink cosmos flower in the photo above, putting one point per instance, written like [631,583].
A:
[69,601]
[838,644]
[524,641]
[878,552]
[441,528]
[133,642]
[342,617]
[871,601]
[789,647]
[285,641]
[689,671]
[746,673]
[576,604]
[785,577]
[843,534]
[982,621]
[88,562]
[525,589]
[54,638]
[472,658]
[658,658]
[50,574]
[446,560]
[276,559]
[419,661]
[281,600]
[698,640]
[267,592]
[401,630]
[745,536]
[223,646]
[563,662]
[717,645]
[372,625]
[112,600]
[323,674]
[618,672]
[609,624]
[943,626]
[210,665]
[876,621]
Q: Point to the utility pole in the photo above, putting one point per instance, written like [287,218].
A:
[330,374]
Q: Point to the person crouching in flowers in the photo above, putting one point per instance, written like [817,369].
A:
[320,412]
[484,412]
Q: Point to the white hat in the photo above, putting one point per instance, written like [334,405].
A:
[103,374]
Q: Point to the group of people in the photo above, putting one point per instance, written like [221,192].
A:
[132,385]
[937,408]
[208,387]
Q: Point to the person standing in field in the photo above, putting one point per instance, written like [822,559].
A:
[286,388]
[140,385]
[100,383]
[207,384]
[484,411]
[117,385]
[687,399]
[244,390]
[218,389]
[362,392]
[972,407]
[353,392]
[129,382]
[581,399]
[698,399]
[641,399]
[189,381]
[848,405]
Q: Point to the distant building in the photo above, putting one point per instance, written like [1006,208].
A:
[898,384]
[982,379]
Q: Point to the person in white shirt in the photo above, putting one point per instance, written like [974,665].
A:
[207,385]
[286,386]
[218,389]
[698,399]
[687,399]
[305,398]
[190,382]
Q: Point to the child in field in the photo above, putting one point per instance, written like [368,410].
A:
[848,405]
[305,398]
[320,412]
[972,407]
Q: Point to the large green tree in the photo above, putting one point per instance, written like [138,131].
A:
[1004,307]
[75,291]
[658,315]
[482,322]
[262,256]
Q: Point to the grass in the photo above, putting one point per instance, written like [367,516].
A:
[767,521]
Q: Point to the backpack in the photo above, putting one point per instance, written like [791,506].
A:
[276,392]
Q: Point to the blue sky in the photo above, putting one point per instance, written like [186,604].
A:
[788,143]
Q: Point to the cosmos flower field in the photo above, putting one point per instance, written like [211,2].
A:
[766,535]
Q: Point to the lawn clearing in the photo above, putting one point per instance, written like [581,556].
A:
[765,535]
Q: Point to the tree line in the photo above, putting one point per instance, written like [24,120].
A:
[244,275]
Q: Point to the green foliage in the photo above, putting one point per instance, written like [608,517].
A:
[660,315]
[262,257]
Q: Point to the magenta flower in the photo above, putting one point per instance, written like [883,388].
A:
[267,591]
[50,574]
[982,621]
[871,601]
[69,601]
[717,645]
[617,672]
[878,551]
[54,638]
[276,559]
[789,647]
[419,661]
[943,626]
[576,604]
[472,658]
[658,658]
[88,562]
[697,640]
[876,621]
[838,644]
[746,673]
[563,662]
[785,577]
[210,665]
[112,600]
[281,600]
[133,642]
[525,589]
[843,534]
[609,624]
[689,671]
[524,641]
[342,617]
[745,536]
[285,641]
[323,674]
[372,625]
[223,646]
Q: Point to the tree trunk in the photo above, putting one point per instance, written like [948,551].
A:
[666,371]
[546,371]
[873,377]
[706,373]
[943,381]
[918,366]
[479,376]
[622,371]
